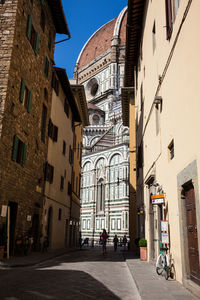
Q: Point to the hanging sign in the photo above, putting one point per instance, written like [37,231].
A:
[164,238]
[158,199]
[164,226]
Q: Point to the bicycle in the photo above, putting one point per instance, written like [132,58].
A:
[164,264]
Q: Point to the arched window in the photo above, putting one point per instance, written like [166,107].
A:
[100,195]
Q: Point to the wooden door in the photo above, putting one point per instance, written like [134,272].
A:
[191,223]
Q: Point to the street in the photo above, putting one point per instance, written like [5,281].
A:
[83,274]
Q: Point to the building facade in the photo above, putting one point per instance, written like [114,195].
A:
[27,41]
[60,218]
[161,63]
[105,161]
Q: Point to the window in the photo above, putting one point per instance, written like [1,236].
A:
[19,151]
[42,20]
[70,155]
[55,83]
[46,67]
[45,94]
[154,36]
[48,172]
[25,96]
[64,148]
[113,224]
[43,123]
[141,97]
[52,131]
[171,12]
[32,35]
[118,224]
[59,214]
[171,150]
[69,188]
[100,195]
[66,107]
[61,183]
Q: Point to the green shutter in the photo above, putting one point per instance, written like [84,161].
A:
[42,2]
[15,147]
[28,28]
[24,155]
[36,43]
[22,90]
[29,102]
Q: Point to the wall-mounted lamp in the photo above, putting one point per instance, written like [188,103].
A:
[157,100]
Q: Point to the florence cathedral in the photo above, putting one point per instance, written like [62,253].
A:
[105,157]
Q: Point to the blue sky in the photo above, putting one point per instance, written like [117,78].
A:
[84,17]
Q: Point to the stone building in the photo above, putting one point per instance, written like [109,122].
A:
[27,42]
[162,64]
[105,161]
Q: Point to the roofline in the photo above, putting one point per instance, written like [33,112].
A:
[64,81]
[133,36]
[134,29]
[82,103]
[59,17]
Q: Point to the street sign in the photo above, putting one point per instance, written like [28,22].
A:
[158,199]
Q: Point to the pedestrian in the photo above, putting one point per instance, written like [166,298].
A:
[45,244]
[80,242]
[104,238]
[115,241]
[124,242]
[100,241]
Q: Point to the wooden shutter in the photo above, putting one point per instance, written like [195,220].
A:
[51,173]
[55,133]
[50,129]
[29,101]
[28,28]
[15,148]
[169,24]
[24,155]
[36,46]
[21,97]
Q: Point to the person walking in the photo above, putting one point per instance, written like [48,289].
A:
[124,242]
[104,238]
[115,241]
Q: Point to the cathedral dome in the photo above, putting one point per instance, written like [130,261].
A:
[102,39]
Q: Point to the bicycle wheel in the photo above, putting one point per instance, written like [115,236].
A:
[159,270]
[172,272]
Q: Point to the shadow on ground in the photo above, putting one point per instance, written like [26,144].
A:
[52,284]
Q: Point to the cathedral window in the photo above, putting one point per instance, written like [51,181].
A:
[100,195]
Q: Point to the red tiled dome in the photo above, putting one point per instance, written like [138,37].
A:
[101,41]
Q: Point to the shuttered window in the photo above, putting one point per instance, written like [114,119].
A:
[48,172]
[25,96]
[52,131]
[19,151]
[32,35]
[169,24]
